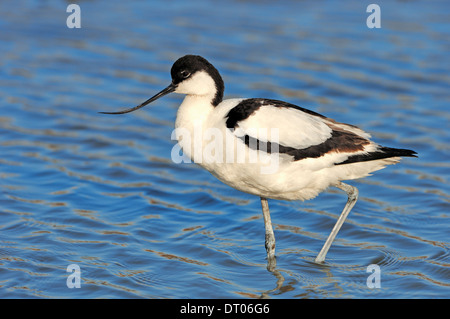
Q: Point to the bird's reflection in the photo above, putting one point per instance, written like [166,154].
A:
[272,267]
[282,287]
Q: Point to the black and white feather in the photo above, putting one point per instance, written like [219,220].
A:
[304,134]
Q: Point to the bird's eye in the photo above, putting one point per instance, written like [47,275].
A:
[185,74]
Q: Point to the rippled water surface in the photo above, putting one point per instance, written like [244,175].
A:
[79,187]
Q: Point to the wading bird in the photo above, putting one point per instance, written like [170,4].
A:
[312,152]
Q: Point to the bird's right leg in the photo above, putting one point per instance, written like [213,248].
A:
[270,237]
[352,193]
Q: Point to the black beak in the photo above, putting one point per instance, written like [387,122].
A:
[166,91]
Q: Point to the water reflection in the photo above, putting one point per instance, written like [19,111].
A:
[279,282]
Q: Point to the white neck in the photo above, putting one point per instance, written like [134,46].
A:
[192,121]
[195,109]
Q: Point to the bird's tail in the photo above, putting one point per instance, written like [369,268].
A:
[381,152]
[394,152]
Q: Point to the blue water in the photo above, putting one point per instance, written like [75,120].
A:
[101,192]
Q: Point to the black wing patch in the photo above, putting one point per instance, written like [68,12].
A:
[340,141]
[248,106]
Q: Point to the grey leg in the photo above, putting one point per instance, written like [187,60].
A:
[270,237]
[352,193]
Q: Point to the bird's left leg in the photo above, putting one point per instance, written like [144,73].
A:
[352,193]
[270,237]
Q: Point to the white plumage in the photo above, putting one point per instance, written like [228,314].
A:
[269,148]
[291,123]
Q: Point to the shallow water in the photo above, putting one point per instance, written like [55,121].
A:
[79,187]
